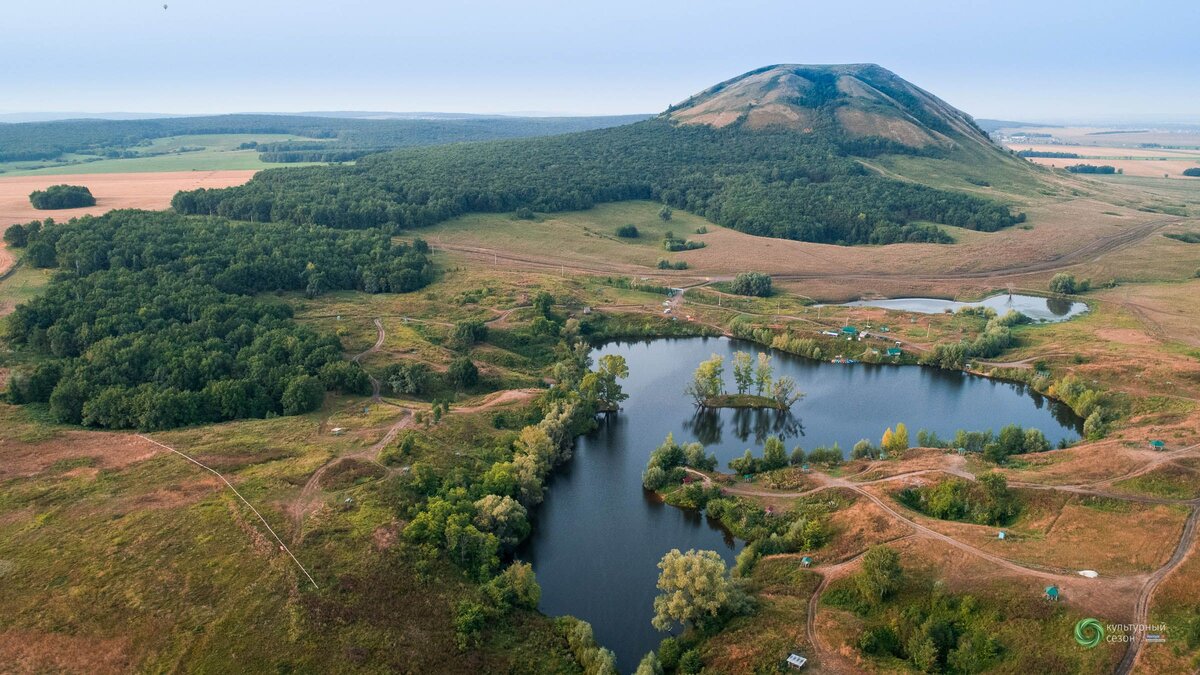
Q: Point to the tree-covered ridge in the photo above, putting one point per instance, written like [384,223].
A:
[151,322]
[342,138]
[774,183]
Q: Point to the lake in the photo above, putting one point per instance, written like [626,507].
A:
[598,536]
[1032,306]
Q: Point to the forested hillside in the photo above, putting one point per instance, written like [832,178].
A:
[772,182]
[152,321]
[347,138]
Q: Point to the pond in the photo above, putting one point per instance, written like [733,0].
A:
[599,536]
[1032,306]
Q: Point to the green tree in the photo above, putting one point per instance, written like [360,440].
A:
[467,333]
[707,381]
[15,236]
[628,231]
[694,589]
[543,302]
[503,517]
[303,394]
[751,283]
[743,371]
[462,373]
[785,391]
[649,665]
[1063,283]
[774,454]
[516,586]
[612,367]
[665,213]
[763,374]
[880,575]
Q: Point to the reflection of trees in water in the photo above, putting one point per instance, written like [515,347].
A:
[707,426]
[1059,306]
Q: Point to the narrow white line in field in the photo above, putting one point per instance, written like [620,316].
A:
[244,500]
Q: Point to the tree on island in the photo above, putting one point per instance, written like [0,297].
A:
[743,371]
[763,374]
[707,381]
[708,386]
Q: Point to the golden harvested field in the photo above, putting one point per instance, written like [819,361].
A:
[1148,168]
[112,191]
[1109,152]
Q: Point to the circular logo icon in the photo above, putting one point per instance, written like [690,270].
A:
[1089,633]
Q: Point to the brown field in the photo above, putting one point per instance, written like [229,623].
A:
[1149,168]
[1130,539]
[1058,235]
[1108,152]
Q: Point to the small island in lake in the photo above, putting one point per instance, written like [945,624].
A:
[708,384]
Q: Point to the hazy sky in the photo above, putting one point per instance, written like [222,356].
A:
[1046,60]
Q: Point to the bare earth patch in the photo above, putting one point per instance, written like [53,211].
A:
[30,651]
[108,451]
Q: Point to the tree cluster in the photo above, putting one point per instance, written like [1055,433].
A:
[152,320]
[755,284]
[62,197]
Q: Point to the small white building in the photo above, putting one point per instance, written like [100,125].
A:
[796,661]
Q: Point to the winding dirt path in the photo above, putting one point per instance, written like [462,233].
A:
[308,499]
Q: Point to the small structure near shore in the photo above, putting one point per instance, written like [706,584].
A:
[1052,593]
[1158,445]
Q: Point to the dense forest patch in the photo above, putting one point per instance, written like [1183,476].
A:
[776,183]
[62,197]
[152,321]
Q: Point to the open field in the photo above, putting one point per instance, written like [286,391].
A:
[112,191]
[203,152]
[1111,136]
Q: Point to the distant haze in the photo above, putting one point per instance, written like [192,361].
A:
[1069,60]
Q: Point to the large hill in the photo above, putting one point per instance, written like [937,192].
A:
[855,101]
[776,152]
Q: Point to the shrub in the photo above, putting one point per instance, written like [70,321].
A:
[462,373]
[628,231]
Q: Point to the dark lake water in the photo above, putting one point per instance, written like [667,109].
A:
[599,536]
[1032,306]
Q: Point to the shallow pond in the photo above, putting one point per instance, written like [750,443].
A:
[599,536]
[1032,306]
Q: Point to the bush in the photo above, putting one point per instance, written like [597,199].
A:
[462,373]
[16,236]
[1193,172]
[1066,284]
[628,232]
[751,283]
[664,264]
[62,197]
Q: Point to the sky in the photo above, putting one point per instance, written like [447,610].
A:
[1049,61]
